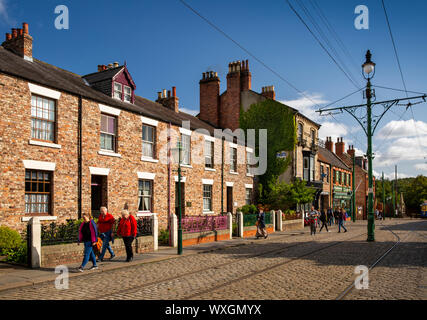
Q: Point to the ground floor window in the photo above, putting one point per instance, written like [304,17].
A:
[248,197]
[38,188]
[207,197]
[145,195]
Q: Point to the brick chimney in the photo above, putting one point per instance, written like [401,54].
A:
[209,98]
[351,151]
[339,147]
[268,92]
[20,42]
[245,76]
[168,100]
[329,144]
[102,67]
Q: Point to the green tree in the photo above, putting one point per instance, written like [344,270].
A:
[300,193]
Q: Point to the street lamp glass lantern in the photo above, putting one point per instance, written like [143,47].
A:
[177,157]
[368,67]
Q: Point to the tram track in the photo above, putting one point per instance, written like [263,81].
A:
[225,264]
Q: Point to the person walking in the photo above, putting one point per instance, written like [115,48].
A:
[312,218]
[88,234]
[322,218]
[337,213]
[127,229]
[330,216]
[261,231]
[341,218]
[105,228]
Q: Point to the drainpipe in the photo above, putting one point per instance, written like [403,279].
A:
[79,155]
[169,179]
[222,175]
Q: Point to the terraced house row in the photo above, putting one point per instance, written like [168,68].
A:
[71,144]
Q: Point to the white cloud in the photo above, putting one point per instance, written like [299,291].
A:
[333,130]
[3,11]
[307,104]
[189,111]
[402,128]
[421,166]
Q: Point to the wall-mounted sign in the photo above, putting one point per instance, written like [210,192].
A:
[281,155]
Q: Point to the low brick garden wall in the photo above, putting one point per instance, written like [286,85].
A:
[289,225]
[250,231]
[55,255]
[192,238]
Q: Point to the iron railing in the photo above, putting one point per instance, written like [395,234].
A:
[144,226]
[251,219]
[55,233]
[191,224]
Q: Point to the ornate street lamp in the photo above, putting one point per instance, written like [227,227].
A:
[368,71]
[176,153]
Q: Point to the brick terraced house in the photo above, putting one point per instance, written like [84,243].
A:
[71,143]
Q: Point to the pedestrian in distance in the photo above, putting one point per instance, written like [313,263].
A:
[337,213]
[105,228]
[322,218]
[312,216]
[330,216]
[127,229]
[261,230]
[341,219]
[88,234]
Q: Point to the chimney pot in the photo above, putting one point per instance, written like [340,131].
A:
[14,33]
[164,93]
[8,36]
[115,64]
[169,93]
[25,27]
[173,91]
[159,95]
[19,32]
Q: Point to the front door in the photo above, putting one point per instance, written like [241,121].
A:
[230,199]
[98,194]
[182,199]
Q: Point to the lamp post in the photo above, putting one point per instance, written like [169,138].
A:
[176,152]
[368,73]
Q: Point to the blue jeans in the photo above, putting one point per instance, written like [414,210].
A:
[106,238]
[341,224]
[88,254]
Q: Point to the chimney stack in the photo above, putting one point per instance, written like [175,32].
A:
[20,42]
[329,144]
[351,151]
[168,100]
[245,76]
[339,147]
[209,98]
[268,92]
[102,67]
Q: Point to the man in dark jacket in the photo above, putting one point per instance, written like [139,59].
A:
[105,226]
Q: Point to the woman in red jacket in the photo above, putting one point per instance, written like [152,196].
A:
[127,230]
[105,226]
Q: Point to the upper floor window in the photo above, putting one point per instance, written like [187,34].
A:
[186,149]
[108,133]
[118,91]
[313,137]
[42,118]
[38,191]
[300,131]
[322,173]
[128,94]
[148,141]
[233,159]
[306,168]
[327,174]
[250,163]
[209,159]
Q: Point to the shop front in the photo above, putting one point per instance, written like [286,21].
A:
[342,198]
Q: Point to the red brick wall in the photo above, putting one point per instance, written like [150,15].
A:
[209,100]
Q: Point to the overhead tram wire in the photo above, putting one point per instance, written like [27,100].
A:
[327,42]
[247,51]
[400,69]
[320,43]
[257,59]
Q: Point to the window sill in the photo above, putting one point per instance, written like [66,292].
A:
[109,153]
[249,175]
[233,172]
[144,214]
[41,218]
[146,159]
[44,144]
[208,212]
[210,169]
[187,166]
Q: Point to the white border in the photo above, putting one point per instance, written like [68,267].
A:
[43,91]
[185,131]
[149,121]
[183,179]
[209,138]
[109,110]
[39,165]
[99,171]
[207,181]
[44,144]
[146,175]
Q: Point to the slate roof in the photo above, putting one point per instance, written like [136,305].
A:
[47,75]
[327,156]
[103,75]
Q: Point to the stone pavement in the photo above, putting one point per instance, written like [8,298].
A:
[289,265]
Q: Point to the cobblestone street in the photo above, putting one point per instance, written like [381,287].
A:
[284,266]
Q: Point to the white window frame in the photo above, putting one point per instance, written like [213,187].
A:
[211,145]
[125,94]
[121,91]
[153,143]
[232,160]
[207,210]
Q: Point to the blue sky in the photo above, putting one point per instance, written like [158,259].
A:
[165,44]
